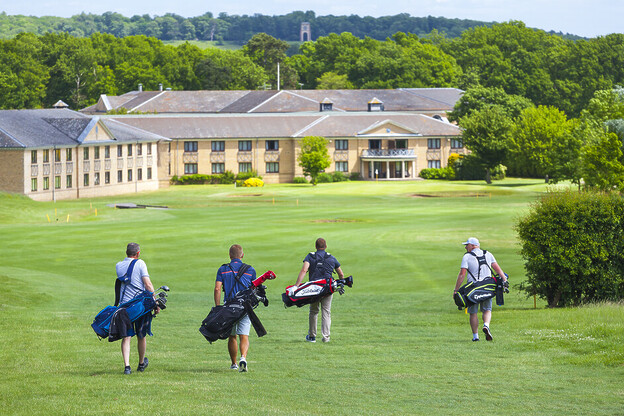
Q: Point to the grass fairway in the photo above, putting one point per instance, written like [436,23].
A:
[399,345]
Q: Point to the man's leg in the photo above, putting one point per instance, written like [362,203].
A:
[474,323]
[326,317]
[125,350]
[314,310]
[232,348]
[487,317]
[244,345]
[142,345]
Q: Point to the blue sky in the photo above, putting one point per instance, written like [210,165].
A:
[579,17]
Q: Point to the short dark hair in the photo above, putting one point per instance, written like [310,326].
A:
[132,249]
[236,251]
[321,244]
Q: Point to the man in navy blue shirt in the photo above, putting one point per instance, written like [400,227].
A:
[321,265]
[228,282]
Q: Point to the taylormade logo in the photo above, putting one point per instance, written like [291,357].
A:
[477,297]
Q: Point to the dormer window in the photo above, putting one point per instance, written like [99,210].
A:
[375,105]
[326,105]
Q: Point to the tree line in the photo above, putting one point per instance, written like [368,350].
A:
[224,27]
[38,70]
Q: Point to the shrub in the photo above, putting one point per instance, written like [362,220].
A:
[324,178]
[572,246]
[242,176]
[437,173]
[300,179]
[253,182]
[227,177]
[339,177]
[355,176]
[468,168]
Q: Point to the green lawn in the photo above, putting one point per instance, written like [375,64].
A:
[399,345]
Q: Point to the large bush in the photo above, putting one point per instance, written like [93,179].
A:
[573,246]
[437,173]
[469,168]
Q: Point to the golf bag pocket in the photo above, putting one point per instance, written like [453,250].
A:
[102,321]
[475,292]
[307,293]
[219,322]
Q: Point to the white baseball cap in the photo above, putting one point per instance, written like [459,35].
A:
[472,241]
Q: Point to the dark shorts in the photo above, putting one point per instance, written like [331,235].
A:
[142,327]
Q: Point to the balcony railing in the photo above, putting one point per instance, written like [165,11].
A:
[34,170]
[271,156]
[389,153]
[217,157]
[69,167]
[341,155]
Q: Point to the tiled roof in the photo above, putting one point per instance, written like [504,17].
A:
[404,99]
[58,127]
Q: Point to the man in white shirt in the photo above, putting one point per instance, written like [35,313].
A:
[476,272]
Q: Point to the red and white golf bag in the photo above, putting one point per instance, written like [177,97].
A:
[313,291]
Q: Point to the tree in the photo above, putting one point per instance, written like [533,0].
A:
[267,52]
[480,97]
[487,134]
[314,157]
[333,81]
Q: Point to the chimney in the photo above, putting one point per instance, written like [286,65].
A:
[160,86]
[140,87]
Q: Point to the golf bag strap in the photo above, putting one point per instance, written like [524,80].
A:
[237,276]
[128,274]
[482,261]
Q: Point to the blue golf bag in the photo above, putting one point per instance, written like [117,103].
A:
[135,308]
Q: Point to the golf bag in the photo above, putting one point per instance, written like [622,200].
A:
[221,319]
[135,308]
[475,292]
[313,291]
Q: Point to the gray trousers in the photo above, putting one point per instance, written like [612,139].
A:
[325,305]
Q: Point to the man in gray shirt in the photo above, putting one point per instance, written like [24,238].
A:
[138,283]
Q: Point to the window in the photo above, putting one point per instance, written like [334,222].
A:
[272,145]
[33,157]
[149,173]
[272,167]
[85,180]
[46,156]
[57,155]
[433,164]
[139,149]
[149,149]
[96,178]
[139,173]
[433,143]
[342,145]
[244,146]
[68,181]
[342,167]
[218,168]
[46,183]
[119,176]
[190,146]
[119,151]
[129,175]
[96,152]
[129,150]
[218,146]
[401,144]
[374,144]
[33,184]
[107,177]
[457,144]
[244,167]
[190,168]
[85,153]
[57,182]
[69,155]
[106,152]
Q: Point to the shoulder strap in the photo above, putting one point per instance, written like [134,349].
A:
[238,275]
[482,261]
[129,275]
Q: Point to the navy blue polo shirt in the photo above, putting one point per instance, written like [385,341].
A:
[227,275]
[314,258]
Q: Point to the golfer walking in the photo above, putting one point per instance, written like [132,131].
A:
[230,281]
[320,265]
[478,271]
[138,283]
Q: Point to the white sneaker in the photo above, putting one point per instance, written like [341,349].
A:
[488,334]
[242,365]
[233,367]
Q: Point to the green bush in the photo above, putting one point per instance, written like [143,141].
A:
[200,179]
[242,176]
[339,177]
[324,178]
[572,246]
[300,179]
[468,168]
[437,173]
[355,176]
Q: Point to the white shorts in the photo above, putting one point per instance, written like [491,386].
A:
[242,326]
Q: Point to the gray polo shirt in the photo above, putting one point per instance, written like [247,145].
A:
[135,286]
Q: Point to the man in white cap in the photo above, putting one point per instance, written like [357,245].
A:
[477,271]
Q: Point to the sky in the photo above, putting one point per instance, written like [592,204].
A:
[578,17]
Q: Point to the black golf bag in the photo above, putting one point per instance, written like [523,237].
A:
[475,292]
[221,319]
[313,291]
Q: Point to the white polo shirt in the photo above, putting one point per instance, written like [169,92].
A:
[471,263]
